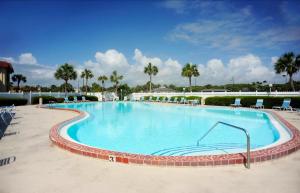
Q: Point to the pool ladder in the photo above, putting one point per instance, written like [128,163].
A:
[235,127]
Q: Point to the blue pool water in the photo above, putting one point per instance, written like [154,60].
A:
[158,129]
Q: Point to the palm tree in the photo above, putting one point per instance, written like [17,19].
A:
[290,64]
[190,70]
[115,78]
[18,78]
[150,70]
[86,74]
[82,76]
[66,72]
[102,79]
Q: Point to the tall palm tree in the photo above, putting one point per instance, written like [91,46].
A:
[290,64]
[66,72]
[115,78]
[150,70]
[102,79]
[82,76]
[87,74]
[18,78]
[190,70]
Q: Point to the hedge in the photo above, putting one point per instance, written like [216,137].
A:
[247,101]
[89,98]
[12,101]
[46,99]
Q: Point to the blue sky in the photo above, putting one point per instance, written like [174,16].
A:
[226,39]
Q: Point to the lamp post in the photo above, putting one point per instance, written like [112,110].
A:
[270,86]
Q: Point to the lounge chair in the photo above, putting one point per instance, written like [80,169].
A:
[237,103]
[66,100]
[169,100]
[285,105]
[83,99]
[150,99]
[142,99]
[75,99]
[182,100]
[157,99]
[259,104]
[164,99]
[174,100]
[195,102]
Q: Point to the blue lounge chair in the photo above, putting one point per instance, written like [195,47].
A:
[174,100]
[182,100]
[195,102]
[142,99]
[75,99]
[169,100]
[285,105]
[237,103]
[164,99]
[157,99]
[150,99]
[259,104]
[66,100]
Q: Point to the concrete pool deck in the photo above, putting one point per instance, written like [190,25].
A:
[43,167]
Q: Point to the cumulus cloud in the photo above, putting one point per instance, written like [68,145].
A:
[243,69]
[27,58]
[27,65]
[231,27]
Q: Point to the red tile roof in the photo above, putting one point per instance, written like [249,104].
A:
[7,65]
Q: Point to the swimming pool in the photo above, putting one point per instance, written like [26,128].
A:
[170,130]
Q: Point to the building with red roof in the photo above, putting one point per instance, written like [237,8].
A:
[5,70]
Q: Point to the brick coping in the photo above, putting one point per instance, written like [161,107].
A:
[202,160]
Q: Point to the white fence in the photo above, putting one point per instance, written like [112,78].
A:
[30,95]
[137,96]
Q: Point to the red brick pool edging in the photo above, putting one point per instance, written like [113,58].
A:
[203,160]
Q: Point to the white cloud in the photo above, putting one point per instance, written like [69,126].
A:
[231,27]
[243,69]
[178,6]
[274,59]
[27,58]
[112,58]
[8,59]
[35,73]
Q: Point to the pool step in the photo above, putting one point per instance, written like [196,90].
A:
[201,149]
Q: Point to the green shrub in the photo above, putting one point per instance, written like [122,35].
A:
[146,98]
[154,98]
[194,98]
[90,98]
[46,99]
[71,98]
[161,98]
[247,101]
[12,101]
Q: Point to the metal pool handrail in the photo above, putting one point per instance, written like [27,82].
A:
[236,127]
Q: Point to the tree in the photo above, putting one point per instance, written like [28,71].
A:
[190,70]
[82,76]
[65,72]
[102,79]
[18,78]
[150,70]
[115,78]
[290,64]
[86,74]
[96,87]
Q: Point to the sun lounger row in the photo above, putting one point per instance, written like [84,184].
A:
[259,104]
[7,113]
[178,100]
[75,100]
